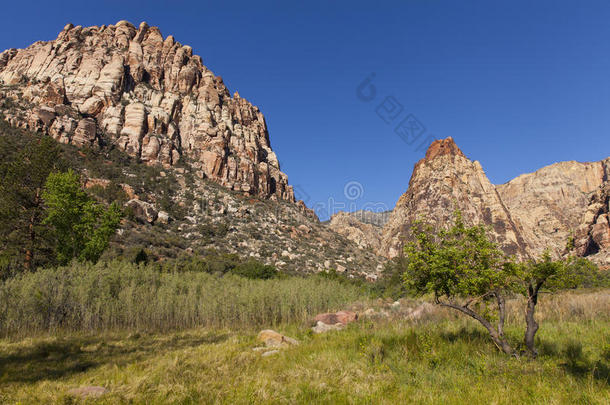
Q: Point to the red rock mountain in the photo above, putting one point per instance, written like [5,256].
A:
[147,94]
[531,213]
[441,182]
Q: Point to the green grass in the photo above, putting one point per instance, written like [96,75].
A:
[443,358]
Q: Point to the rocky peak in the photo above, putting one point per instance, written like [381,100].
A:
[146,94]
[528,215]
[441,182]
[441,147]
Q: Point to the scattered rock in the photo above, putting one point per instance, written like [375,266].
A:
[143,211]
[270,353]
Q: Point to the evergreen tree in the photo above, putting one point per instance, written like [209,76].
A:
[24,170]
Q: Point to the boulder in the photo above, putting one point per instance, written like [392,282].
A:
[143,211]
[163,217]
[90,391]
[272,338]
[342,317]
[322,327]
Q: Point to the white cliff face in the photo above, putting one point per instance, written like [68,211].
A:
[147,94]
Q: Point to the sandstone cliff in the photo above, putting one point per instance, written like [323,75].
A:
[549,205]
[441,182]
[146,94]
[352,226]
[533,212]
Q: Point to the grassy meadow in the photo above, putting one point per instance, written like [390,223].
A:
[439,358]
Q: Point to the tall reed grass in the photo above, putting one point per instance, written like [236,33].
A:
[126,296]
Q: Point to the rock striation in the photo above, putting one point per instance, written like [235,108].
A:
[147,94]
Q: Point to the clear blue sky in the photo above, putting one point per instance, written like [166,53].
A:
[517,84]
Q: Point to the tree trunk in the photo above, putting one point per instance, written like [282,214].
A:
[497,337]
[530,322]
[29,252]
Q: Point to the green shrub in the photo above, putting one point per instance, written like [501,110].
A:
[255,270]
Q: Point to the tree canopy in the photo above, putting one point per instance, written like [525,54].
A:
[82,227]
[464,270]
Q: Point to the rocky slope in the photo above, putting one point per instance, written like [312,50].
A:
[148,95]
[140,115]
[531,213]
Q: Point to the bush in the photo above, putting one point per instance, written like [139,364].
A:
[255,270]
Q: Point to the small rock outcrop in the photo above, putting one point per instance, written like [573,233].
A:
[147,94]
[342,317]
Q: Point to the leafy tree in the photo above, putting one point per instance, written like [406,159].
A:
[82,227]
[24,169]
[530,278]
[465,271]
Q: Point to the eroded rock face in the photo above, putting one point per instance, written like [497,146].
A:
[363,234]
[149,95]
[593,235]
[441,182]
[549,205]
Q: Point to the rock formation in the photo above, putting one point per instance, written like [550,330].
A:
[445,180]
[593,235]
[146,94]
[549,205]
[365,235]
[533,212]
